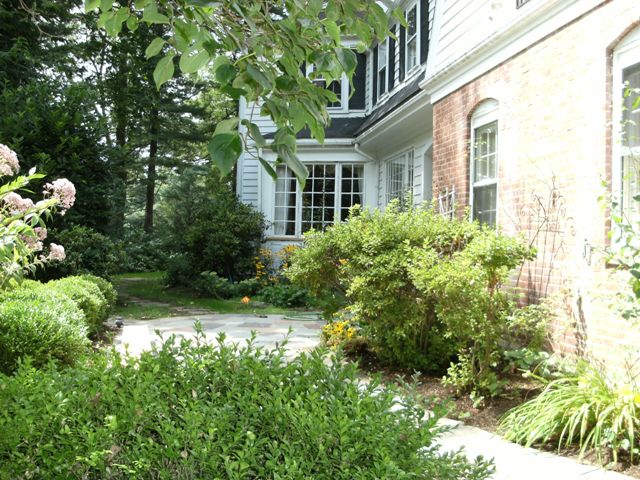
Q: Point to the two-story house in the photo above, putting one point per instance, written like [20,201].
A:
[510,108]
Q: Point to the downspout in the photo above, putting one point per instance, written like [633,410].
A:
[364,154]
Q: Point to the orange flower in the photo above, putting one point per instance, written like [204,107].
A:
[245,300]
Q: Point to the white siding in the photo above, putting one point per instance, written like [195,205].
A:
[470,22]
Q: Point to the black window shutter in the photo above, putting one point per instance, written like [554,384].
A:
[424,30]
[401,62]
[391,64]
[357,100]
[374,83]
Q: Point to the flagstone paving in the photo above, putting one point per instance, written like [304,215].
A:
[512,461]
[139,335]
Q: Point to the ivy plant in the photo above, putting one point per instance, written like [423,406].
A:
[256,50]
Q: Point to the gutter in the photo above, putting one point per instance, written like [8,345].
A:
[356,145]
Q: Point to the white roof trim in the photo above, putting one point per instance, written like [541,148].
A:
[541,20]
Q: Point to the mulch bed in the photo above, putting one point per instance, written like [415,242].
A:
[487,417]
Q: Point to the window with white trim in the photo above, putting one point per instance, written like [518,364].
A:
[484,164]
[626,145]
[330,191]
[412,43]
[383,48]
[400,178]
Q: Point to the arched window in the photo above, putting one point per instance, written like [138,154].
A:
[484,163]
[626,125]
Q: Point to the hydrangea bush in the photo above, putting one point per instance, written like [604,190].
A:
[22,221]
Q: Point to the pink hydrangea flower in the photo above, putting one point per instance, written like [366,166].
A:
[33,243]
[56,252]
[16,203]
[41,232]
[63,191]
[8,161]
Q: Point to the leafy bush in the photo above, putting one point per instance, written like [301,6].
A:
[42,324]
[248,287]
[208,225]
[284,295]
[179,271]
[142,252]
[583,407]
[209,284]
[106,288]
[87,296]
[423,287]
[87,252]
[193,410]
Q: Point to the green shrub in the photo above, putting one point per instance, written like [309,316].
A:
[142,252]
[424,288]
[87,296]
[248,287]
[106,288]
[285,296]
[192,410]
[41,324]
[179,271]
[209,284]
[206,222]
[87,251]
[583,407]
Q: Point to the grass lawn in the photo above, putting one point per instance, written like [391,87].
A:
[144,296]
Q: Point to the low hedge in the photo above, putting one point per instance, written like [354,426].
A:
[193,410]
[42,324]
[106,288]
[88,297]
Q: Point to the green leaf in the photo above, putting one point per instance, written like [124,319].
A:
[132,23]
[163,71]
[106,5]
[230,125]
[259,77]
[225,149]
[91,5]
[154,48]
[288,156]
[254,133]
[140,4]
[151,15]
[233,92]
[226,73]
[190,63]
[269,169]
[347,59]
[333,30]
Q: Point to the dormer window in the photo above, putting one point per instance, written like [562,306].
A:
[412,37]
[382,67]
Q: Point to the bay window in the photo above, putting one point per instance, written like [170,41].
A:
[330,190]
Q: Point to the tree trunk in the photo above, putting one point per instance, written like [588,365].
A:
[121,118]
[151,169]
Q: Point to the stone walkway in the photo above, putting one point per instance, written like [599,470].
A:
[139,335]
[512,461]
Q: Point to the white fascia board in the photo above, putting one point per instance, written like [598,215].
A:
[507,42]
[400,114]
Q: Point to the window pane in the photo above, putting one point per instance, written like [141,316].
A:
[400,178]
[351,188]
[630,187]
[336,87]
[382,81]
[631,116]
[411,22]
[484,204]
[285,202]
[485,152]
[412,53]
[318,197]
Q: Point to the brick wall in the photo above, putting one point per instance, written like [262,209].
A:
[555,147]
